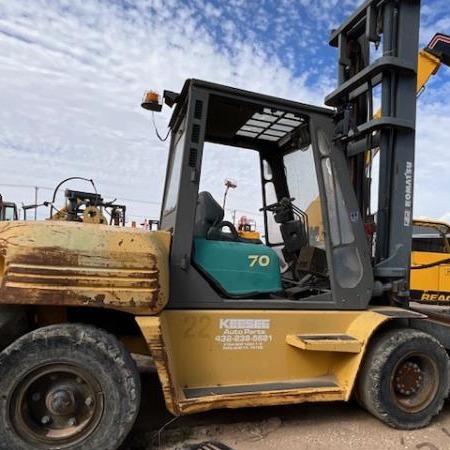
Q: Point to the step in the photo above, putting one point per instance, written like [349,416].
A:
[200,399]
[326,382]
[330,342]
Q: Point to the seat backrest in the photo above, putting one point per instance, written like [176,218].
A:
[207,214]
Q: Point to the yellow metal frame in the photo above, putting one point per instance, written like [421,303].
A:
[213,355]
[76,264]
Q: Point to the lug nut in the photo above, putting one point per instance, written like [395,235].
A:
[36,397]
[71,422]
[89,401]
[45,420]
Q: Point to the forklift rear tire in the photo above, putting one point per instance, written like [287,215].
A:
[67,387]
[404,379]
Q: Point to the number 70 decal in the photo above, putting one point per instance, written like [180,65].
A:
[258,260]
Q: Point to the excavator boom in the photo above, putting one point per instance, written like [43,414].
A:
[440,47]
[431,57]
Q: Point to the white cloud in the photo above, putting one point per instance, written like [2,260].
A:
[72,76]
[72,73]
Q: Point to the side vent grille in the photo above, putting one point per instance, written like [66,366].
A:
[195,134]
[198,110]
[192,157]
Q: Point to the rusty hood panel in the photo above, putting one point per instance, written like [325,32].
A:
[66,263]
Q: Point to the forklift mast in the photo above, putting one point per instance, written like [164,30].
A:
[393,25]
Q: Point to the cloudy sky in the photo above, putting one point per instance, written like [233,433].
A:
[72,74]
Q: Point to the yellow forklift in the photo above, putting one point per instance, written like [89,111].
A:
[225,328]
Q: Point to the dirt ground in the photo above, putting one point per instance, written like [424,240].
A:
[324,426]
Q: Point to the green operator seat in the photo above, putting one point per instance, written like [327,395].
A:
[237,267]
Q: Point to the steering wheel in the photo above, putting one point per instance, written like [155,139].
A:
[285,201]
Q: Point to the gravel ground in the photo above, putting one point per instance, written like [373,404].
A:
[324,426]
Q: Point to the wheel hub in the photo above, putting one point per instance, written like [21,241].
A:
[61,402]
[57,403]
[409,378]
[414,382]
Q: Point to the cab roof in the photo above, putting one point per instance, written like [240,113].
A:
[248,119]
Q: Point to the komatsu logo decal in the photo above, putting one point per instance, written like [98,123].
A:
[408,192]
[245,324]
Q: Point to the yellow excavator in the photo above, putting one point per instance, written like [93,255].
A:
[430,257]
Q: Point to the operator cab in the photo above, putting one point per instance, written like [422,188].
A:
[310,252]
[8,211]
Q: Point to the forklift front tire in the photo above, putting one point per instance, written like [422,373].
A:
[68,387]
[404,379]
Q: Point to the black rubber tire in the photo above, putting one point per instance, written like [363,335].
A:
[92,350]
[378,388]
